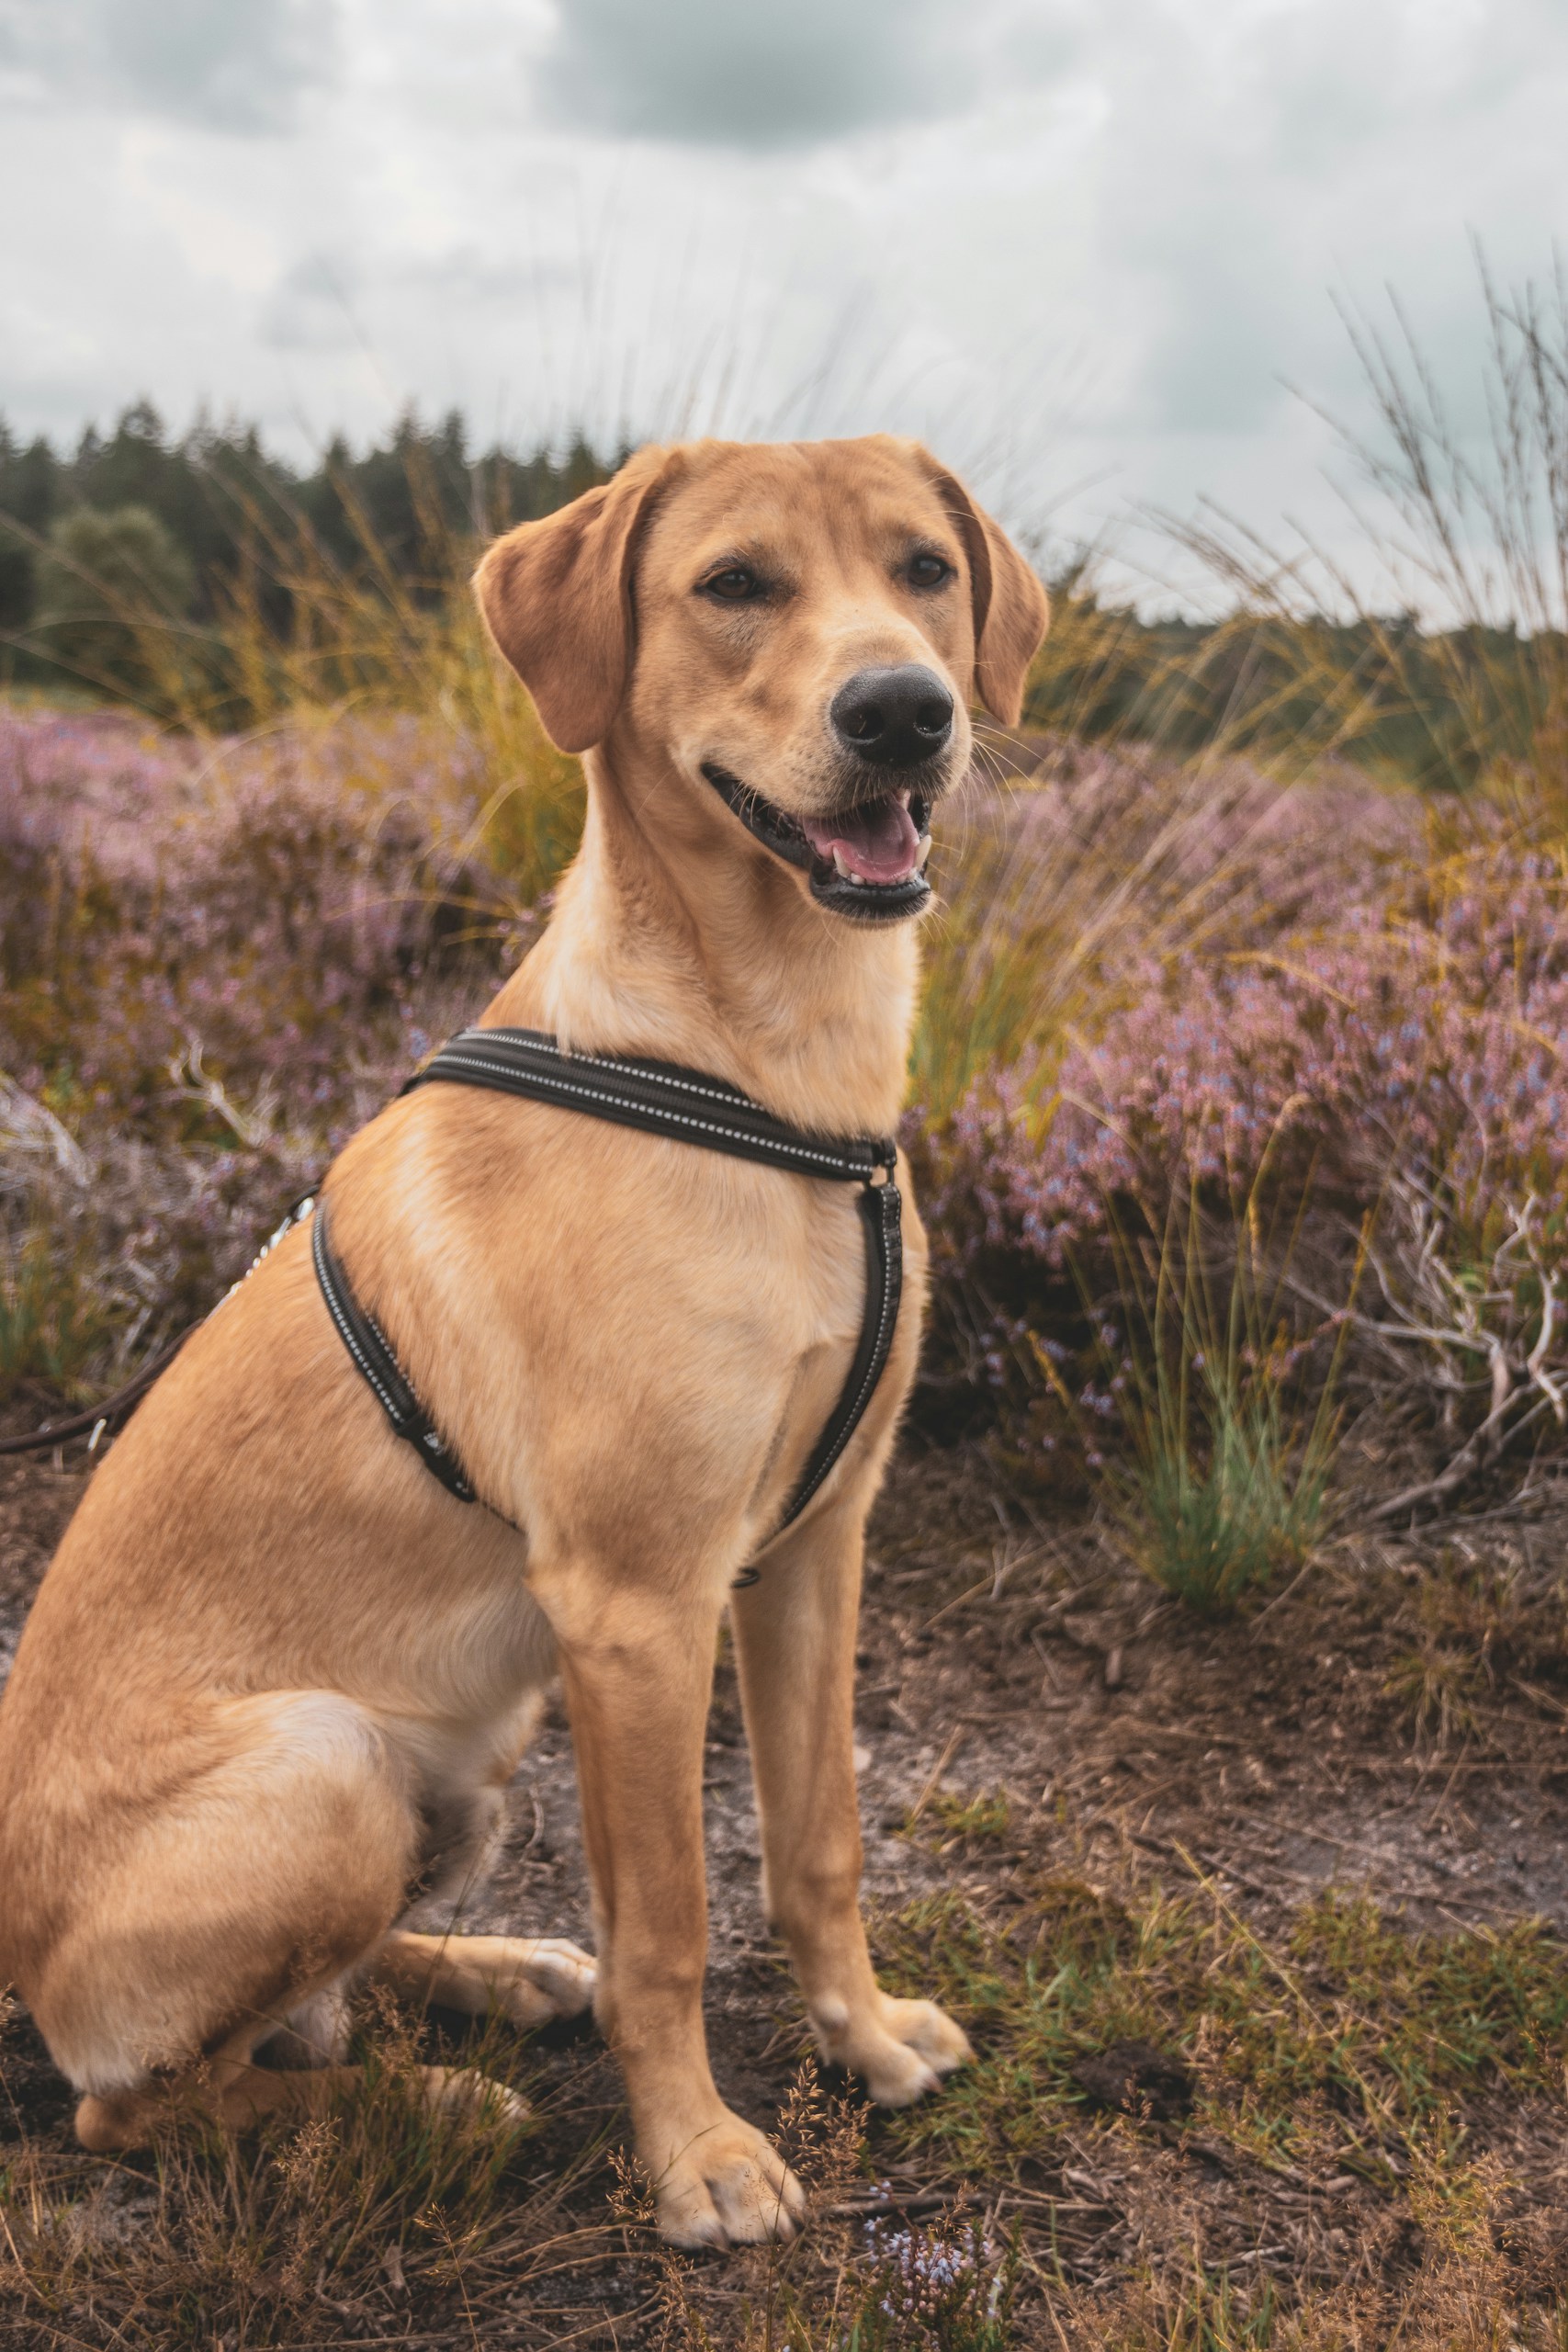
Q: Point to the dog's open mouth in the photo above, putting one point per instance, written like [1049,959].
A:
[867,860]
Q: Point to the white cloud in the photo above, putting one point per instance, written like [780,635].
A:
[232,65]
[1075,246]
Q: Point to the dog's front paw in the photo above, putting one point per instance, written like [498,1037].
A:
[726,2185]
[900,2049]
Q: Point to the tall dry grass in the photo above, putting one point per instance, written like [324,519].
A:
[1455,578]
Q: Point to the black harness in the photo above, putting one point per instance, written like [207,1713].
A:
[661,1099]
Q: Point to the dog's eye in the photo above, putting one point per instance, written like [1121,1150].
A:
[928,571]
[734,584]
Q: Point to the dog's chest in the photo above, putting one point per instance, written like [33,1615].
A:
[799,1284]
[665,1351]
[819,1300]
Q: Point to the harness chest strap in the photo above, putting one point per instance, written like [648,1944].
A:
[688,1107]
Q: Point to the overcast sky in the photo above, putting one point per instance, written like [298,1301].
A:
[1080,246]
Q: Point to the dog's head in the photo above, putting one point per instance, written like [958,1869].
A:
[797,629]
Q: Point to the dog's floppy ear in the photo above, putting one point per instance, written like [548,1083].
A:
[556,597]
[1011,610]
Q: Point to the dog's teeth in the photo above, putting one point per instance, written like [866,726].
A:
[842,863]
[922,853]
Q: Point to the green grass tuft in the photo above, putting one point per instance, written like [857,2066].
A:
[1217,1524]
[1231,1446]
[1344,2043]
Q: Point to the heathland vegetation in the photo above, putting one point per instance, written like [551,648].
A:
[1239,1113]
[130,567]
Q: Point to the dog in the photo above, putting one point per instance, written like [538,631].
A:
[276,1679]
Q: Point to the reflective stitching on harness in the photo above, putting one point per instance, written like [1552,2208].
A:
[395,1412]
[409,1420]
[873,1371]
[456,1058]
[628,1069]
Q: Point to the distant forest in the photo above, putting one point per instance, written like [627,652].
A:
[217,496]
[184,531]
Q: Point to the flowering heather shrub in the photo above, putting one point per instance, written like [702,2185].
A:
[216,963]
[267,912]
[1384,1033]
[935,2289]
[1080,875]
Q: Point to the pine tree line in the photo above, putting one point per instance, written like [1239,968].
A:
[173,522]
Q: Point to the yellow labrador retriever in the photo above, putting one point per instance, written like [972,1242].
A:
[276,1677]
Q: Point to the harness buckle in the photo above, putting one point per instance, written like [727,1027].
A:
[882,1171]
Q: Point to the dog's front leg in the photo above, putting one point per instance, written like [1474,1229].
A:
[638,1672]
[795,1633]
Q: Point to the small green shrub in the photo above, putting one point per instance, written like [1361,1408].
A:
[989,1815]
[113,589]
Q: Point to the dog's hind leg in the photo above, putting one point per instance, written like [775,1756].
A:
[527,1979]
[270,1867]
[239,2094]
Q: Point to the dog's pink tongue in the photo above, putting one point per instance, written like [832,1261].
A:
[877,841]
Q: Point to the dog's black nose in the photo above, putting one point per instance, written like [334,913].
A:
[893,718]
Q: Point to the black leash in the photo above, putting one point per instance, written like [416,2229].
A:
[659,1099]
[98,1418]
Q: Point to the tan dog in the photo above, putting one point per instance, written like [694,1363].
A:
[276,1677]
